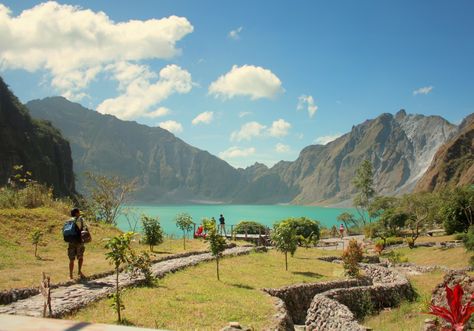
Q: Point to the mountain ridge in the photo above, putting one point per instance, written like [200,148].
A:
[400,146]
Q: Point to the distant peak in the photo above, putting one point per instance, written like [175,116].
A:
[400,114]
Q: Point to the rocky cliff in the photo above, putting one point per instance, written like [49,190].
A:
[168,169]
[400,148]
[36,145]
[453,163]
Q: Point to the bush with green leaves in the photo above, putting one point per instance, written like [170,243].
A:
[458,209]
[152,231]
[351,258]
[141,264]
[250,227]
[304,228]
[395,257]
[185,223]
[285,239]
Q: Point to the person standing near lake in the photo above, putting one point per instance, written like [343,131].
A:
[76,246]
[341,230]
[222,225]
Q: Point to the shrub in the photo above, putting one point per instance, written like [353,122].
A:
[351,258]
[410,242]
[395,257]
[379,247]
[393,241]
[36,239]
[152,231]
[140,264]
[250,227]
[469,239]
[304,227]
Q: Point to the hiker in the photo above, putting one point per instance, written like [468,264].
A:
[72,234]
[341,230]
[222,225]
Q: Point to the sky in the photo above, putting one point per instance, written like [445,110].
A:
[248,81]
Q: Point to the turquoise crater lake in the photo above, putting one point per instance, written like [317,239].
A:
[265,214]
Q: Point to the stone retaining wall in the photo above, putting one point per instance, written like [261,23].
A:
[297,298]
[339,309]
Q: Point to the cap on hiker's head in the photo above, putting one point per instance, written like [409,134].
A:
[74,211]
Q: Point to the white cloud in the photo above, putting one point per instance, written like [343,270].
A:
[205,118]
[248,80]
[139,93]
[244,113]
[248,131]
[307,101]
[160,112]
[423,90]
[236,152]
[299,136]
[74,44]
[171,126]
[282,148]
[279,128]
[323,140]
[234,34]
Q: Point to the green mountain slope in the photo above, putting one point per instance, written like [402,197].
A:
[36,145]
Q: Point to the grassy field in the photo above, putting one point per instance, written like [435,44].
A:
[409,316]
[20,268]
[456,257]
[193,298]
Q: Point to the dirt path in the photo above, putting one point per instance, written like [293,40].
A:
[67,299]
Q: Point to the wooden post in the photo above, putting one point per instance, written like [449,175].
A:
[46,292]
[232,232]
[245,233]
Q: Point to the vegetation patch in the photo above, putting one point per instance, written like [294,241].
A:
[202,302]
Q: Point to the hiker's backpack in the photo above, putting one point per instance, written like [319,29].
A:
[71,231]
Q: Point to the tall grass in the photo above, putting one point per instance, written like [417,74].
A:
[32,195]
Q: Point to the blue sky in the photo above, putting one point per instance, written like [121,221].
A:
[240,69]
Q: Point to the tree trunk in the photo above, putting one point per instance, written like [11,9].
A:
[36,250]
[117,295]
[217,265]
[151,248]
[184,240]
[286,261]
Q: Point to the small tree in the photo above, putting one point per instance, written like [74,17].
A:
[119,253]
[417,207]
[152,231]
[141,264]
[108,195]
[364,183]
[285,239]
[184,221]
[216,244]
[36,239]
[351,258]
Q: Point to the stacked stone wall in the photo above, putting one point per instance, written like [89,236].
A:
[297,298]
[388,290]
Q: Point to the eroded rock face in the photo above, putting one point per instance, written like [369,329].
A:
[453,163]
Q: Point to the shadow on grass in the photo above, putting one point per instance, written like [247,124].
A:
[307,274]
[246,287]
[39,258]
[161,252]
[126,322]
